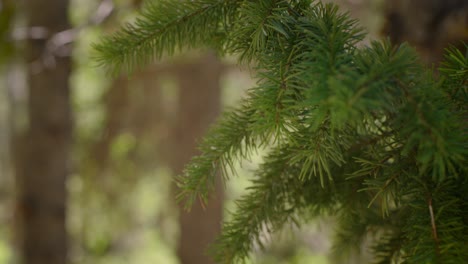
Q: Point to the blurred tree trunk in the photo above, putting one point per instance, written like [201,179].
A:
[430,26]
[198,107]
[42,152]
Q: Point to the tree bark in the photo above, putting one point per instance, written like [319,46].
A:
[42,159]
[199,105]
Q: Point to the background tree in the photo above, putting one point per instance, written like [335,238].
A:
[43,150]
[430,26]
[367,135]
[199,104]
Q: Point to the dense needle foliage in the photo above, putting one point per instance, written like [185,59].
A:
[368,135]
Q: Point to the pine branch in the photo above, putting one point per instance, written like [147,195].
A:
[454,72]
[327,45]
[266,206]
[230,140]
[223,144]
[432,130]
[277,197]
[163,27]
[388,135]
[318,153]
[387,250]
[260,22]
[435,230]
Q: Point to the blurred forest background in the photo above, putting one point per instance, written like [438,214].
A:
[87,159]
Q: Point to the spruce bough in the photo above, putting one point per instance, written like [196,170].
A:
[367,135]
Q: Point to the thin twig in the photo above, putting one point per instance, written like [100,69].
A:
[433,225]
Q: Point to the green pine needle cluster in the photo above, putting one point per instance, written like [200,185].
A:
[368,135]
